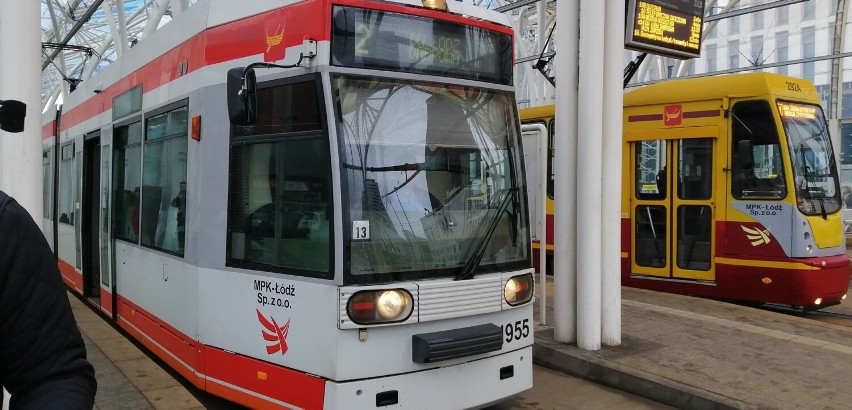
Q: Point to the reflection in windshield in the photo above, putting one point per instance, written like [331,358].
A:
[812,158]
[425,170]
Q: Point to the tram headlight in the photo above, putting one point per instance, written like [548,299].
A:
[380,306]
[518,290]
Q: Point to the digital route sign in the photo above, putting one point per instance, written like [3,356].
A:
[666,27]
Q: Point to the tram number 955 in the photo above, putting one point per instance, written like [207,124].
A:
[516,331]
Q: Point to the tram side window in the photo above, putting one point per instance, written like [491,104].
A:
[47,182]
[695,160]
[163,201]
[287,108]
[651,236]
[762,175]
[279,207]
[279,211]
[551,151]
[650,174]
[126,179]
[68,184]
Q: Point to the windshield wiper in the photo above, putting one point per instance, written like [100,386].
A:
[472,263]
[418,166]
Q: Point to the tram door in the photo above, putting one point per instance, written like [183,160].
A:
[96,240]
[672,201]
[91,205]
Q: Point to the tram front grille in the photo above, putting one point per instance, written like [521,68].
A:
[455,343]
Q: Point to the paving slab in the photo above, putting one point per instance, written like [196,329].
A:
[127,377]
[696,353]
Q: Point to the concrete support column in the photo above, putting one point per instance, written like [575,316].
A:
[566,39]
[589,171]
[587,239]
[613,101]
[20,79]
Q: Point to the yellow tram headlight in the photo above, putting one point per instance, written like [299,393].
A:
[518,290]
[380,306]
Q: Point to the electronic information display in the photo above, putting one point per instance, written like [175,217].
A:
[793,110]
[384,40]
[666,27]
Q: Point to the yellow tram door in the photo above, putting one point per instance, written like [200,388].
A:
[672,206]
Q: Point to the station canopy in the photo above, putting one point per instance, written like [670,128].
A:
[81,37]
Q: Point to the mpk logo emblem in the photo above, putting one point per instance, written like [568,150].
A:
[672,115]
[274,50]
[274,333]
[756,236]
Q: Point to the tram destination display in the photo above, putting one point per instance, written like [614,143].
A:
[383,40]
[666,27]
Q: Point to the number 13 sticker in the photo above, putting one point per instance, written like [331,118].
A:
[360,230]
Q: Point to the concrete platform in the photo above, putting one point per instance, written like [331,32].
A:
[127,377]
[694,353]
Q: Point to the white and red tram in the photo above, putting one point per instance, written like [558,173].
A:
[346,229]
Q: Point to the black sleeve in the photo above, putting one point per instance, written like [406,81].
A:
[42,356]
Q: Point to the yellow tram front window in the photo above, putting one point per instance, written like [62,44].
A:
[812,158]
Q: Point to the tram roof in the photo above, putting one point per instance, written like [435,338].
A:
[207,14]
[539,112]
[731,86]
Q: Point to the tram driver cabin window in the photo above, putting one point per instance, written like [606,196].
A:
[279,215]
[762,175]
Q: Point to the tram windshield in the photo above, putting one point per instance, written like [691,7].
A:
[814,168]
[431,178]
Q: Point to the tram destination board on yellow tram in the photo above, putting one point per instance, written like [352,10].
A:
[666,27]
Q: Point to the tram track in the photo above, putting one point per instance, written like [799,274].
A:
[833,317]
[840,315]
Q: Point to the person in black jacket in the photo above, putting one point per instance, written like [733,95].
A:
[43,361]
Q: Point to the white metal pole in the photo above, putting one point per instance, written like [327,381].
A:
[20,79]
[541,82]
[541,213]
[836,99]
[589,164]
[550,94]
[567,37]
[613,103]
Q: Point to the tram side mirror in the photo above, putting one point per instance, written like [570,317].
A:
[744,151]
[12,114]
[242,96]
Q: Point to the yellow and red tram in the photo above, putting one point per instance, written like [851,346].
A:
[730,190]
